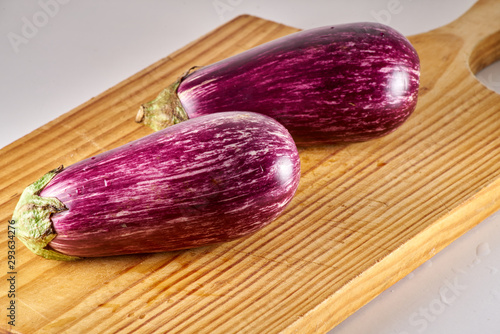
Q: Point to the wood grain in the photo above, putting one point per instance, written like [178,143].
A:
[365,215]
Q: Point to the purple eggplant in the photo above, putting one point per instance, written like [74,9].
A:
[207,180]
[344,83]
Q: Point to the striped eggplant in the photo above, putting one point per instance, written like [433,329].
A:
[344,83]
[207,180]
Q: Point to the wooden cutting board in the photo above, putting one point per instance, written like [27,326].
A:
[365,215]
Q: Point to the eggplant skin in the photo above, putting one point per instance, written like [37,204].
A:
[207,180]
[345,83]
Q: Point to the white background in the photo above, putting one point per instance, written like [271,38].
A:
[58,54]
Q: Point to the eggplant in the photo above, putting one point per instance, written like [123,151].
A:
[345,83]
[207,180]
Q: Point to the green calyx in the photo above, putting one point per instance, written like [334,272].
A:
[32,218]
[166,109]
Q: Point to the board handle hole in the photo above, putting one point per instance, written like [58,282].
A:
[484,61]
[490,76]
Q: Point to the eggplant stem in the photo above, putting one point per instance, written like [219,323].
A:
[32,218]
[166,109]
[140,115]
